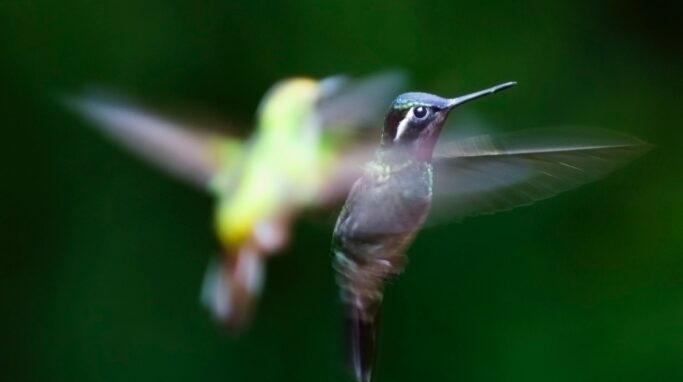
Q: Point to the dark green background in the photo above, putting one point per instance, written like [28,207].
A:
[102,256]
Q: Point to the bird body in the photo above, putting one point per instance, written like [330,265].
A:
[300,155]
[364,257]
[282,168]
[392,199]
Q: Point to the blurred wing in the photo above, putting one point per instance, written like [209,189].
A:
[346,170]
[186,153]
[485,174]
[347,106]
[358,103]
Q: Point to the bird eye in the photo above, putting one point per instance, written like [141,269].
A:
[420,112]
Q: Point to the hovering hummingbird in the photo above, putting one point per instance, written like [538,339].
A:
[391,200]
[301,155]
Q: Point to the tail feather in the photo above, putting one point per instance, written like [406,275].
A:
[361,336]
[361,280]
[231,287]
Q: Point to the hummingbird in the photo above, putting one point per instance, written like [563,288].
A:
[391,200]
[299,157]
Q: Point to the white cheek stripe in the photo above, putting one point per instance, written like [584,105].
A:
[404,124]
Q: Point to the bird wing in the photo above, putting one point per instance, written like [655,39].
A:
[363,102]
[486,174]
[349,110]
[188,153]
[345,170]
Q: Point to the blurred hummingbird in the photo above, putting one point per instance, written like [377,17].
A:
[391,200]
[299,156]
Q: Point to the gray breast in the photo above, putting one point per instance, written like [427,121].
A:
[374,229]
[384,211]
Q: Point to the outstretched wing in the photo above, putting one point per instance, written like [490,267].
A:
[486,174]
[183,151]
[353,103]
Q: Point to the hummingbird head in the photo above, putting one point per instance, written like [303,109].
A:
[415,120]
[287,106]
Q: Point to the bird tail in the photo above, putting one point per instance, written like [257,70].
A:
[362,325]
[231,287]
[361,291]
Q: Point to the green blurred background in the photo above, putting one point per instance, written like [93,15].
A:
[102,256]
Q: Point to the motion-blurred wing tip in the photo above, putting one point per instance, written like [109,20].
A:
[88,106]
[69,101]
[483,175]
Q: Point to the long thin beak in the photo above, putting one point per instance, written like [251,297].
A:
[457,101]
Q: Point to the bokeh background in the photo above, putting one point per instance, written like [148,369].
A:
[102,256]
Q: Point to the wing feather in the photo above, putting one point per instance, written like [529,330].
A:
[358,102]
[188,153]
[486,174]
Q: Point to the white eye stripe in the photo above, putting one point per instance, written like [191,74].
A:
[403,125]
